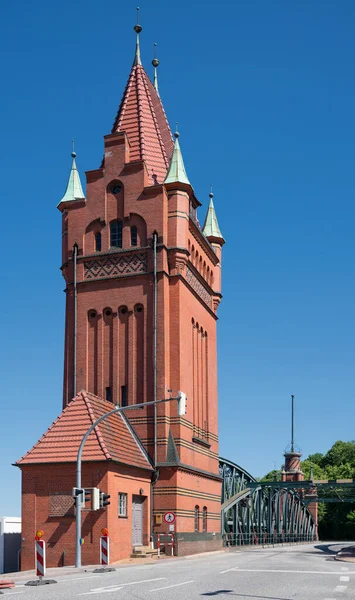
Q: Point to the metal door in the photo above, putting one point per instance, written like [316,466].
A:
[137,521]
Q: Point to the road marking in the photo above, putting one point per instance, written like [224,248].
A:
[340,588]
[344,578]
[13,593]
[170,586]
[117,586]
[345,568]
[227,571]
[284,571]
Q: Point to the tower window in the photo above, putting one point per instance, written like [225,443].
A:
[133,235]
[204,518]
[116,189]
[197,518]
[98,241]
[108,394]
[116,234]
[124,395]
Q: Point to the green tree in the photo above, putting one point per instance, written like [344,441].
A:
[274,475]
[316,458]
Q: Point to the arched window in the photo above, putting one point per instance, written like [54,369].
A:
[133,235]
[98,242]
[116,234]
[197,518]
[204,518]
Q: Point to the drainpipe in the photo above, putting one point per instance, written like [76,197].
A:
[155,238]
[75,253]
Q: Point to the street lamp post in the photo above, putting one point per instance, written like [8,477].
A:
[181,398]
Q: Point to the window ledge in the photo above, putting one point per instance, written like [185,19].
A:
[197,440]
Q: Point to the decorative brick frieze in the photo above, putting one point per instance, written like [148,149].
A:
[198,287]
[117,265]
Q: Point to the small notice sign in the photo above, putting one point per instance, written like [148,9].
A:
[171,527]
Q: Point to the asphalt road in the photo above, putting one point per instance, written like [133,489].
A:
[305,572]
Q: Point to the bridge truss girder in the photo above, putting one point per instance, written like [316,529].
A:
[255,513]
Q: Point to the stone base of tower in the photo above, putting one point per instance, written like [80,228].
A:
[195,499]
[193,543]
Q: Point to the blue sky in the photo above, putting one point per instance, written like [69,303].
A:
[264,93]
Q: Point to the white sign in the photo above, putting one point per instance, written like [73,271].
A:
[171,527]
[169,517]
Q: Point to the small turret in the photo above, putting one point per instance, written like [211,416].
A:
[74,191]
[211,228]
[176,171]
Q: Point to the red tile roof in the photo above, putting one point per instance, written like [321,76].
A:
[113,439]
[141,115]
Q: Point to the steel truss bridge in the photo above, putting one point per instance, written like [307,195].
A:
[274,511]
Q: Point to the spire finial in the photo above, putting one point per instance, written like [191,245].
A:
[137,28]
[292,422]
[155,63]
[73,153]
[176,134]
[211,193]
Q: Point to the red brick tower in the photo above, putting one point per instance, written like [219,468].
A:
[292,469]
[143,283]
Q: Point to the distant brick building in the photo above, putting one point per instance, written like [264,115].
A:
[143,284]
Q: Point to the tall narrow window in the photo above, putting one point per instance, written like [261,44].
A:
[124,395]
[108,394]
[197,518]
[122,504]
[98,241]
[133,235]
[204,518]
[116,234]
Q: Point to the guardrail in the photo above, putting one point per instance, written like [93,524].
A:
[265,539]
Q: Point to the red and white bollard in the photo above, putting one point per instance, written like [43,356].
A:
[172,544]
[40,558]
[158,545]
[104,550]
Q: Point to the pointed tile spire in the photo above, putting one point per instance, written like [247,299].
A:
[176,172]
[74,190]
[142,117]
[211,228]
[155,63]
[137,28]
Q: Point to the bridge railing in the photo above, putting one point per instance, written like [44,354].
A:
[265,539]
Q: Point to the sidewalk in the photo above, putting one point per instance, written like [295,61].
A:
[21,577]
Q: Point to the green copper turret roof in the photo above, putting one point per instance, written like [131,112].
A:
[74,190]
[211,227]
[176,172]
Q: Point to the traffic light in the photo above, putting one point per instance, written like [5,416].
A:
[104,499]
[181,404]
[78,493]
[87,495]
